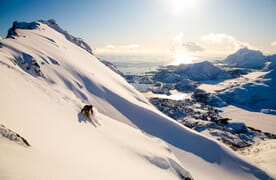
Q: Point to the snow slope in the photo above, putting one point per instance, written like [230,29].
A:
[198,72]
[45,81]
[201,71]
[254,90]
[246,58]
[261,121]
[256,93]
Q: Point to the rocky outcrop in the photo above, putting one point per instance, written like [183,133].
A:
[13,136]
[78,41]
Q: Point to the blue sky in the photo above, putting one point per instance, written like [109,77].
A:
[195,27]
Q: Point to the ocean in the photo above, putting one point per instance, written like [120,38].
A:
[141,64]
[137,64]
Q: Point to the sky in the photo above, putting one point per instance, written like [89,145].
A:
[187,28]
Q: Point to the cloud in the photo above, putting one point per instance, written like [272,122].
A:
[178,39]
[192,47]
[122,47]
[180,46]
[273,43]
[221,45]
[130,46]
[209,45]
[110,46]
[222,42]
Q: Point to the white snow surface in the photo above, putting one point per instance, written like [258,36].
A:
[201,71]
[78,41]
[261,121]
[198,71]
[256,89]
[132,139]
[258,93]
[263,154]
[246,58]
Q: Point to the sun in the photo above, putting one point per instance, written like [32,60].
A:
[180,6]
[182,59]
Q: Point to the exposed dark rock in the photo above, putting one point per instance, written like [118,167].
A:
[202,117]
[20,25]
[112,67]
[78,41]
[13,136]
[29,64]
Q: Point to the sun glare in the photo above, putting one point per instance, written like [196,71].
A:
[179,6]
[182,59]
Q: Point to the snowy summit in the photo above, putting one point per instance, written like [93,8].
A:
[246,58]
[47,76]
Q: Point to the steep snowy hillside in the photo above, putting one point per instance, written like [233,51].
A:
[46,79]
[246,58]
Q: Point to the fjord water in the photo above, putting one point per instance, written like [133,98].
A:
[137,64]
[141,64]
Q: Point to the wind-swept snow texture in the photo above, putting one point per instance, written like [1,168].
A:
[132,139]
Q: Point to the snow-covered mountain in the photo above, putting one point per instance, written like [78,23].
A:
[270,63]
[202,71]
[258,93]
[198,72]
[246,58]
[47,77]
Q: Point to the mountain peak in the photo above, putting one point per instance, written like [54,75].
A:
[52,24]
[246,50]
[76,40]
[20,25]
[246,58]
